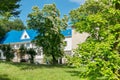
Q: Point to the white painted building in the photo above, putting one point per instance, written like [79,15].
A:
[24,37]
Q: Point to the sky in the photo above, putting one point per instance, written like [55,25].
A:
[64,6]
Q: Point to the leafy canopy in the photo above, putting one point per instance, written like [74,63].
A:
[8,52]
[7,25]
[100,54]
[32,54]
[9,7]
[49,25]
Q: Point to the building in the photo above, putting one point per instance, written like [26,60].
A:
[24,37]
[78,38]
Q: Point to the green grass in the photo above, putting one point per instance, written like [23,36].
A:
[22,71]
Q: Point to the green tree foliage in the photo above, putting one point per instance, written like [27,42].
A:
[32,54]
[16,24]
[9,7]
[117,4]
[8,52]
[100,54]
[7,25]
[22,51]
[49,25]
[2,32]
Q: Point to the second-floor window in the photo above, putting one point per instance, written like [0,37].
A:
[17,45]
[25,36]
[28,45]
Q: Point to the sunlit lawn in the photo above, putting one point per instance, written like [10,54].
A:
[18,71]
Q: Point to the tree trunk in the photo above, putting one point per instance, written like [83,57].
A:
[54,59]
[32,59]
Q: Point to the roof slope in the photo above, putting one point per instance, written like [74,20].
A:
[15,36]
[67,32]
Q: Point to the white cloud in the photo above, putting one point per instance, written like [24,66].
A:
[78,1]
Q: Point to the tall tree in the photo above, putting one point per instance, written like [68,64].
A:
[9,7]
[22,52]
[49,25]
[32,54]
[100,54]
[7,25]
[16,24]
[2,32]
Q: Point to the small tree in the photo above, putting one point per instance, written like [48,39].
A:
[32,54]
[22,51]
[8,52]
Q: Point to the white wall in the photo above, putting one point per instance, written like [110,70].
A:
[18,45]
[69,44]
[78,38]
[1,55]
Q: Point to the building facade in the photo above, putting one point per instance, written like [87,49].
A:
[24,37]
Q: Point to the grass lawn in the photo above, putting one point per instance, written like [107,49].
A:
[23,71]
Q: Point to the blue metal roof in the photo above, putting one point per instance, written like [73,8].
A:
[67,32]
[15,36]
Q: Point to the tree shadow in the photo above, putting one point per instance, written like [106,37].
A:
[74,72]
[27,66]
[4,77]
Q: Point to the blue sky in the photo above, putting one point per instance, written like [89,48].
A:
[65,6]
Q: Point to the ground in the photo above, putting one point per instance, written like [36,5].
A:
[23,71]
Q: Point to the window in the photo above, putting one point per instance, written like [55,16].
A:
[28,45]
[13,46]
[39,51]
[68,52]
[17,45]
[25,36]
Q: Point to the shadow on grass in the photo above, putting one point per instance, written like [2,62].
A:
[76,71]
[4,77]
[27,66]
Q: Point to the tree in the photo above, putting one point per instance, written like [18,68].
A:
[100,54]
[117,4]
[22,51]
[8,52]
[9,7]
[49,25]
[32,54]
[16,24]
[2,32]
[7,25]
